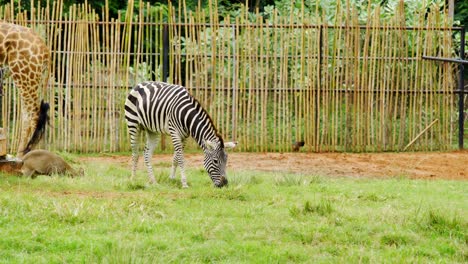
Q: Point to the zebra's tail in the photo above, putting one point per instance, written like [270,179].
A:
[42,121]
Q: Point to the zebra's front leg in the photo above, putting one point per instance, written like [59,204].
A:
[151,142]
[183,178]
[179,161]
[175,163]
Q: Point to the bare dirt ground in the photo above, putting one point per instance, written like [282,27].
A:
[420,165]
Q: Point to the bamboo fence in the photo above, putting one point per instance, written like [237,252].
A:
[340,86]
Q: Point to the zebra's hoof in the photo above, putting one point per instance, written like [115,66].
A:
[184,186]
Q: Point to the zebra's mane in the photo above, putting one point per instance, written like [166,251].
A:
[209,118]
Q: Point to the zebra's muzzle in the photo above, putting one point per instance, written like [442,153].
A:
[222,182]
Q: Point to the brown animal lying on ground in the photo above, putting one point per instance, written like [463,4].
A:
[43,162]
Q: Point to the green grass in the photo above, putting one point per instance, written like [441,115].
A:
[259,218]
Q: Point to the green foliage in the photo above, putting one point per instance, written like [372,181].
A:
[328,8]
[106,218]
[157,11]
[234,8]
[114,6]
[461,12]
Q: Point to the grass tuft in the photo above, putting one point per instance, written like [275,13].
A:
[295,180]
[395,239]
[323,207]
[444,224]
[225,193]
[240,179]
[135,186]
[373,197]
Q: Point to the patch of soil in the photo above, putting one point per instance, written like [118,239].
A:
[417,165]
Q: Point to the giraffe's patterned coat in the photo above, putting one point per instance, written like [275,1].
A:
[26,56]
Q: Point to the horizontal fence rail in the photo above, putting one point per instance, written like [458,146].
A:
[266,83]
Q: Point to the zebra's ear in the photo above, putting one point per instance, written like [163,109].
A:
[210,145]
[230,145]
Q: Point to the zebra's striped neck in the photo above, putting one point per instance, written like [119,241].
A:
[201,126]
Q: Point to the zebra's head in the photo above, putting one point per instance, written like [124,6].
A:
[216,160]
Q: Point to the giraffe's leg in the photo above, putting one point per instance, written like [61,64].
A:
[3,75]
[151,142]
[27,128]
[179,160]
[28,91]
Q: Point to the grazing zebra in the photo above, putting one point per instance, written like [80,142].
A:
[157,107]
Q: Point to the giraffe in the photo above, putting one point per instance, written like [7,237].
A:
[26,56]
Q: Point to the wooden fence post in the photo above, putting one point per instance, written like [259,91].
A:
[461,92]
[165,69]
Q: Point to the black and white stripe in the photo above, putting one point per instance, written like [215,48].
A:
[156,107]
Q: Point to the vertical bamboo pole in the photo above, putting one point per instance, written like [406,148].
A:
[284,84]
[276,36]
[355,31]
[365,87]
[378,99]
[390,85]
[76,85]
[68,80]
[85,146]
[245,80]
[350,86]
[250,82]
[340,84]
[447,103]
[228,78]
[322,48]
[236,83]
[265,42]
[218,62]
[93,99]
[101,106]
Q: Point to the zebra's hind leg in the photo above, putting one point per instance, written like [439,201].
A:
[151,142]
[133,142]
